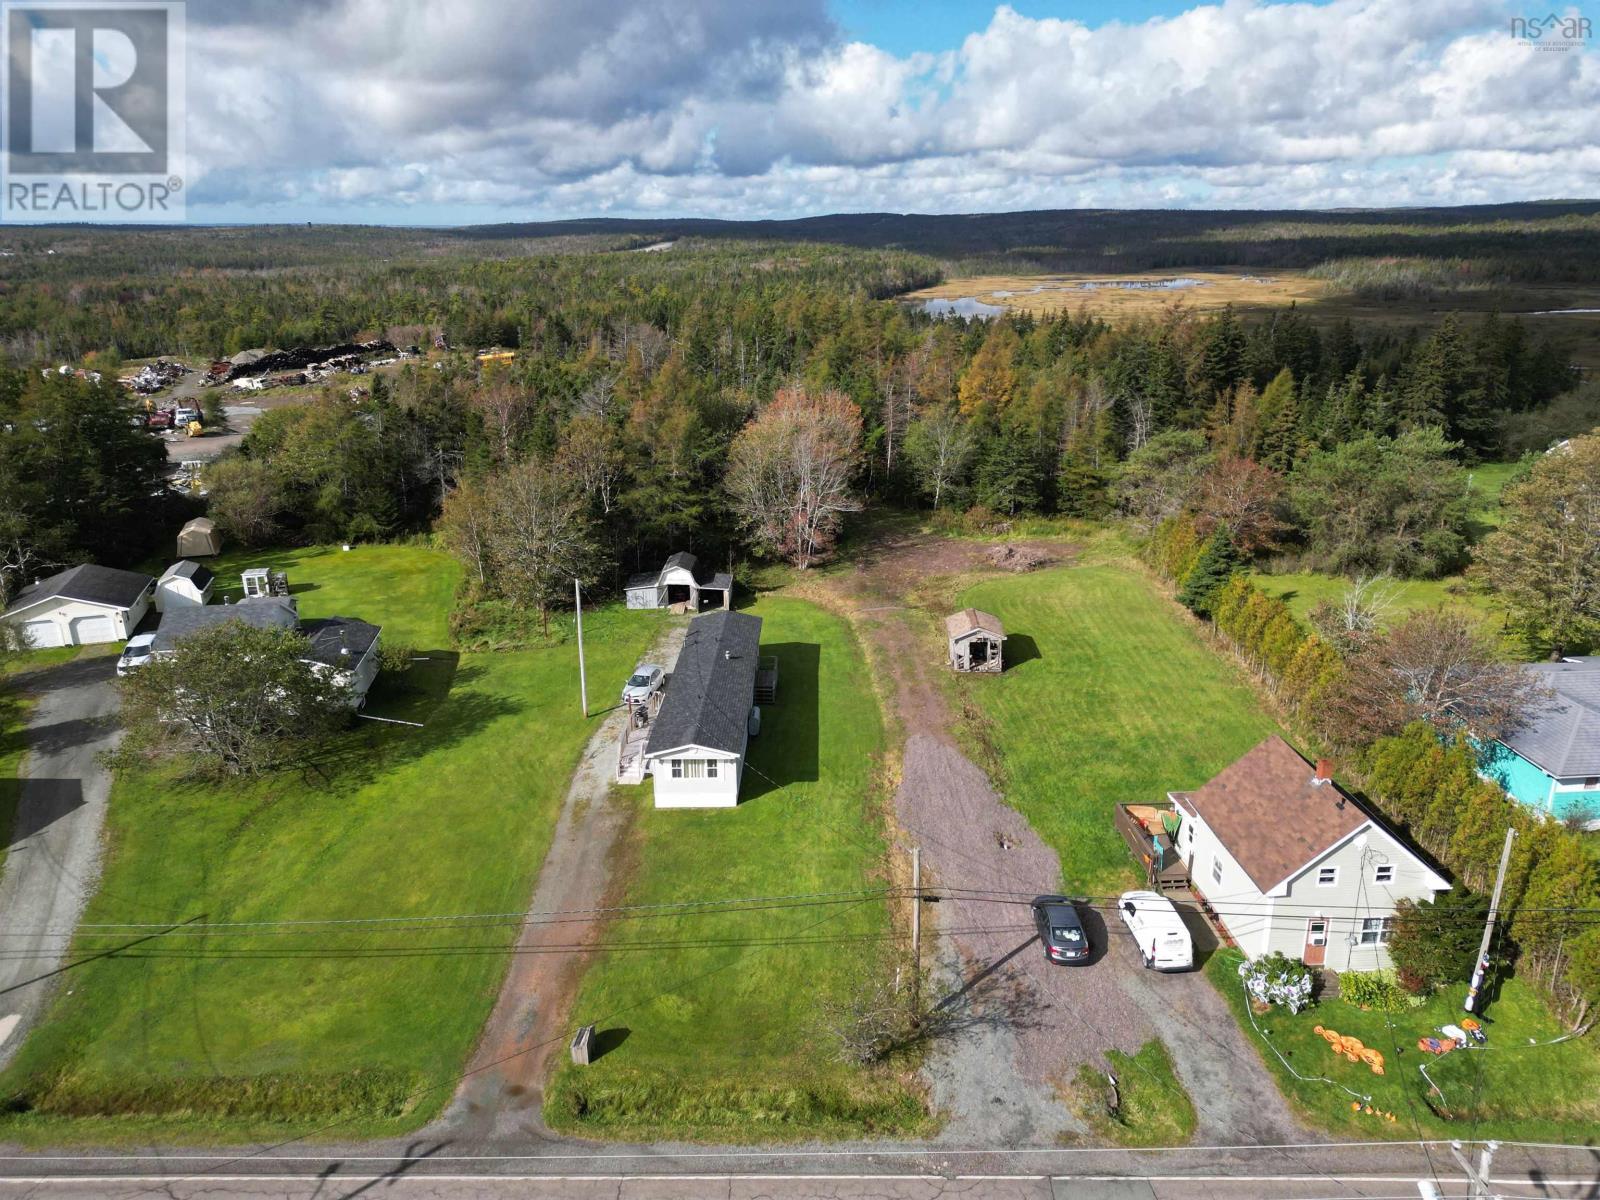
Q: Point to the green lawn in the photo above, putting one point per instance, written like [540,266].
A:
[1108,697]
[713,1023]
[1304,590]
[243,1034]
[1154,1110]
[1513,1090]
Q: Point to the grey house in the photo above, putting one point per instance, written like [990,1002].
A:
[682,584]
[345,646]
[699,737]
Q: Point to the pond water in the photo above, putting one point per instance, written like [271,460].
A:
[971,306]
[965,306]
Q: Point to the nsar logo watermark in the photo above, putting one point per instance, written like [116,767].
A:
[1553,32]
[94,111]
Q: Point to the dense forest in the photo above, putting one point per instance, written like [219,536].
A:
[1339,447]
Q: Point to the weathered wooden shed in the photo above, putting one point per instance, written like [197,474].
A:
[976,640]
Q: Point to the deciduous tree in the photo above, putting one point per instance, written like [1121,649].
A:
[240,700]
[791,472]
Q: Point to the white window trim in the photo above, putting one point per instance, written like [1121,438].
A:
[1380,935]
[1383,873]
[1334,882]
[1216,869]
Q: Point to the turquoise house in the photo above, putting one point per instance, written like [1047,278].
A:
[1552,764]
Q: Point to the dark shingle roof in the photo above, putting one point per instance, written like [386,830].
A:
[707,702]
[89,583]
[685,560]
[190,570]
[644,579]
[1270,816]
[1562,736]
[329,635]
[271,612]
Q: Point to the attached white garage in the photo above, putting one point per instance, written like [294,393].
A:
[81,606]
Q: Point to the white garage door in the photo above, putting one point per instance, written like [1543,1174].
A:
[40,634]
[87,630]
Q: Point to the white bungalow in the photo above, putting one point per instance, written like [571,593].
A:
[699,737]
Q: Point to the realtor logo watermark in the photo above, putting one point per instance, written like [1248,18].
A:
[94,111]
[1554,32]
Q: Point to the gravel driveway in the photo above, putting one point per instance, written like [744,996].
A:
[54,859]
[997,1080]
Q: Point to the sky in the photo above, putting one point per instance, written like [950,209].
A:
[412,112]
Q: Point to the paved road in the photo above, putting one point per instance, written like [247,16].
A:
[1348,1172]
[54,858]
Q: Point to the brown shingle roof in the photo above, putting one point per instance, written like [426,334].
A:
[964,622]
[1271,817]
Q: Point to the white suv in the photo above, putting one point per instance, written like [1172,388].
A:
[136,653]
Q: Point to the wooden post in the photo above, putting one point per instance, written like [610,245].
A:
[583,681]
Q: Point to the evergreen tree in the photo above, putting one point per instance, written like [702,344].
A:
[1218,561]
[1276,434]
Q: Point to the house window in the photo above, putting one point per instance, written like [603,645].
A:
[1327,876]
[1216,870]
[694,768]
[677,768]
[1375,931]
[711,768]
[1383,873]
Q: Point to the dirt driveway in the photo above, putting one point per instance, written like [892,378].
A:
[999,1084]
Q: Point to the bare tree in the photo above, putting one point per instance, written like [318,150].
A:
[791,469]
[1440,667]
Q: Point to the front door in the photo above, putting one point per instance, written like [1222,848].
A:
[1316,942]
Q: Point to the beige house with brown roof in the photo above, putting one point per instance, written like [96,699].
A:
[976,640]
[1290,862]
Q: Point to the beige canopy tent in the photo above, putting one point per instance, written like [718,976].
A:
[198,538]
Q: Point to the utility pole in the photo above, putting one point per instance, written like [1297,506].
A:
[916,923]
[1482,968]
[1477,1180]
[583,680]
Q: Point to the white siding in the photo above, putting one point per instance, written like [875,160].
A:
[178,592]
[1242,909]
[721,792]
[1356,896]
[649,596]
[70,615]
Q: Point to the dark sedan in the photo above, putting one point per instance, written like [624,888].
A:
[1061,930]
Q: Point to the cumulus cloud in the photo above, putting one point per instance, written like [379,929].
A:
[733,108]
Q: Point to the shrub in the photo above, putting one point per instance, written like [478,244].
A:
[1433,946]
[1375,989]
[1280,980]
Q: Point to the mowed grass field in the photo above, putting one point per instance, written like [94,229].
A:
[1108,697]
[207,1033]
[1518,1088]
[709,1021]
